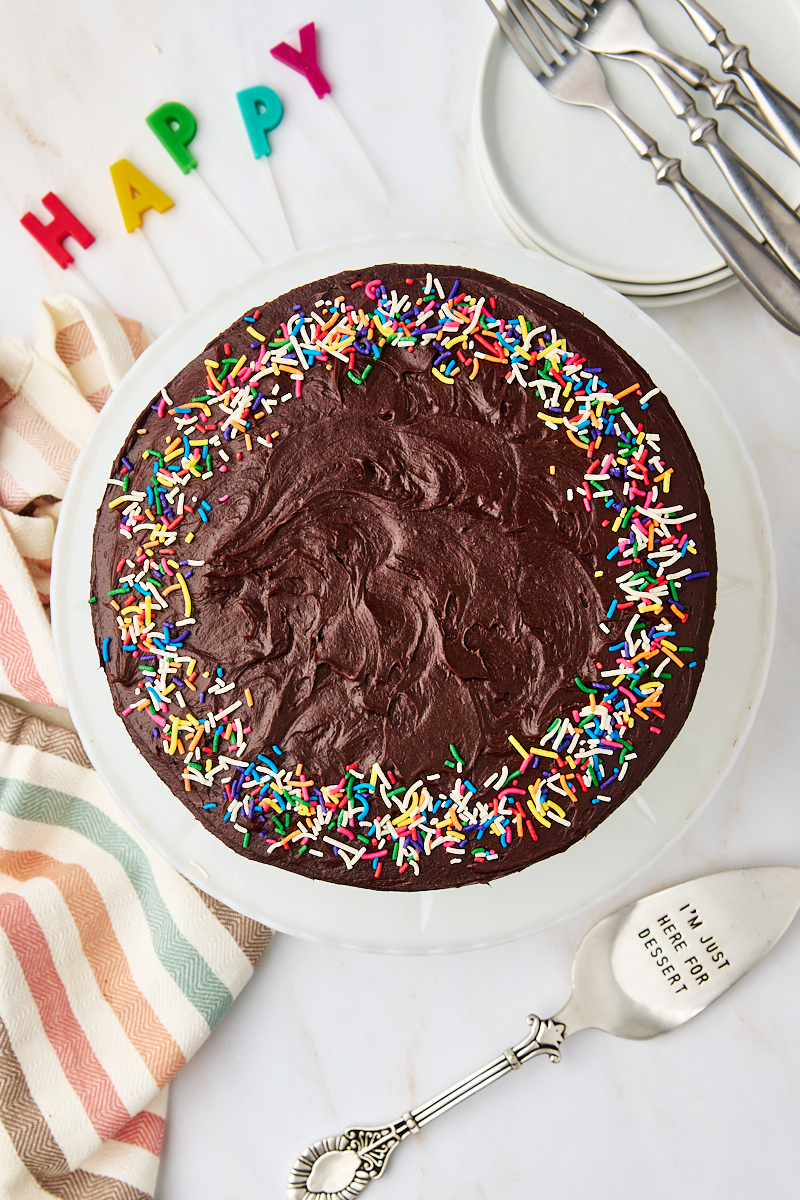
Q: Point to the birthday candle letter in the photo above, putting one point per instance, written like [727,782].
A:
[64,224]
[261,111]
[174,126]
[136,194]
[304,60]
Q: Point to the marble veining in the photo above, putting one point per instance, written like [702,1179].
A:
[323,1039]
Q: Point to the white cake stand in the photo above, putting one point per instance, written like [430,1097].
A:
[628,840]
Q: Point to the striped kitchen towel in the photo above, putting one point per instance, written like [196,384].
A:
[113,968]
[49,395]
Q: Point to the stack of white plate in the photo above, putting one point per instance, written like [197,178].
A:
[565,180]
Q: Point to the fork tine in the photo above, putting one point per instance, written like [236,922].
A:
[540,33]
[558,15]
[576,8]
[560,43]
[519,39]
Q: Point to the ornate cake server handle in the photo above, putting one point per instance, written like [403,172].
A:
[619,984]
[779,111]
[340,1167]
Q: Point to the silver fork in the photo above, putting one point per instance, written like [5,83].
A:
[782,115]
[770,214]
[616,27]
[572,74]
[768,211]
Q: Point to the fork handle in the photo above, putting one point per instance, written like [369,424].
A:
[723,93]
[782,116]
[778,223]
[780,112]
[759,271]
[757,268]
[773,217]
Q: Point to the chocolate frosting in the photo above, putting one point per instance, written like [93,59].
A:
[401,572]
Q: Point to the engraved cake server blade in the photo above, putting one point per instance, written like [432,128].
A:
[638,973]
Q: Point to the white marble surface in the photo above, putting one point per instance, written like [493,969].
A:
[322,1037]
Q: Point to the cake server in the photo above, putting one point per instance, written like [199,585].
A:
[640,972]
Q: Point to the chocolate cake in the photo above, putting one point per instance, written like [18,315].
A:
[406,581]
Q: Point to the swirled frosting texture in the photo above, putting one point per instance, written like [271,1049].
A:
[402,577]
[403,572]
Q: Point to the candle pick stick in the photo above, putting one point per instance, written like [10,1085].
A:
[220,208]
[262,112]
[278,204]
[90,288]
[137,195]
[306,62]
[174,125]
[164,279]
[329,100]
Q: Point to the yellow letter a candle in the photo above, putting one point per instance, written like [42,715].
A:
[136,194]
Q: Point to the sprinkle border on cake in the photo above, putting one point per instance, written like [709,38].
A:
[397,824]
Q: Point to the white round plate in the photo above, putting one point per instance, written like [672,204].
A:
[628,288]
[575,186]
[667,299]
[629,838]
[645,294]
